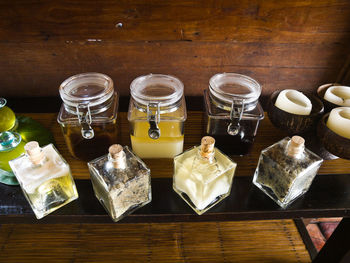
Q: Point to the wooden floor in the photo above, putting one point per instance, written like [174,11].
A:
[246,241]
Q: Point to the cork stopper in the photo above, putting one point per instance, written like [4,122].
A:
[34,152]
[295,146]
[207,146]
[118,156]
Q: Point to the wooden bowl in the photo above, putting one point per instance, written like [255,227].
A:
[328,106]
[313,143]
[332,142]
[293,123]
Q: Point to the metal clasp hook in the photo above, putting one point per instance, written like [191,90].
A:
[236,114]
[85,120]
[153,119]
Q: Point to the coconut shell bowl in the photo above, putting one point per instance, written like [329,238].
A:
[328,106]
[332,142]
[292,123]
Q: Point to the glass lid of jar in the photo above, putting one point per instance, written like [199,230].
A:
[228,87]
[87,88]
[165,90]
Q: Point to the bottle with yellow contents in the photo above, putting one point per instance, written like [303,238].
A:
[7,117]
[45,178]
[157,112]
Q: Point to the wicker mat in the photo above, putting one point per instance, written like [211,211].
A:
[245,241]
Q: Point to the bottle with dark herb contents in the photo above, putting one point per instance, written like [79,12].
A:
[232,112]
[88,116]
[286,170]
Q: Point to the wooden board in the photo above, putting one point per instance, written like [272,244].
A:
[257,241]
[274,66]
[266,136]
[302,21]
[282,44]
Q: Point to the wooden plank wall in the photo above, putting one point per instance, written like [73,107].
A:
[283,44]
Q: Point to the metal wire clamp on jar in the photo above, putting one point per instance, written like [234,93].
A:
[88,115]
[157,112]
[233,111]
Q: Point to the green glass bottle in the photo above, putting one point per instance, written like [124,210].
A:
[7,117]
[11,146]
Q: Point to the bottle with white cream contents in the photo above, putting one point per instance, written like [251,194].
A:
[203,175]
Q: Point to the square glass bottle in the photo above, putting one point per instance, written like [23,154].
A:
[45,178]
[121,181]
[203,175]
[286,170]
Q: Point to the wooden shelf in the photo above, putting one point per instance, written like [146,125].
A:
[329,194]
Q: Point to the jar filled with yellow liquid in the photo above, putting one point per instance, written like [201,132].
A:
[157,112]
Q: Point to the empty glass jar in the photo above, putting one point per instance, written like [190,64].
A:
[88,116]
[157,112]
[232,112]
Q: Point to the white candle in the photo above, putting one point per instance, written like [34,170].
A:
[294,102]
[339,121]
[339,95]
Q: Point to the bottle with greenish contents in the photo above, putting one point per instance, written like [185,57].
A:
[11,146]
[7,117]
